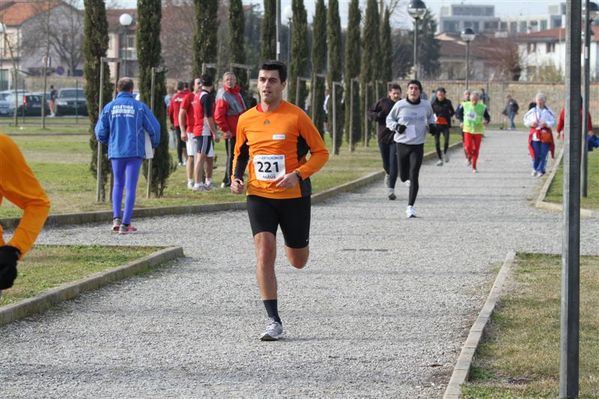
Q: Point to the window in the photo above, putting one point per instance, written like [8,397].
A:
[544,24]
[531,48]
[514,27]
[549,47]
[523,26]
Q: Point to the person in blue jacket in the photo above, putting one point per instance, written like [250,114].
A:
[123,126]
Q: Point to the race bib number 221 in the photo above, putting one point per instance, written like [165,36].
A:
[269,167]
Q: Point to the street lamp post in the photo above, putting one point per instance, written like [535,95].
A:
[590,11]
[125,20]
[468,35]
[278,29]
[416,9]
[288,15]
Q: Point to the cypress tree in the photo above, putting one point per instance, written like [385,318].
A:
[237,41]
[428,46]
[95,45]
[352,119]
[149,14]
[268,36]
[386,59]
[370,59]
[334,70]
[319,64]
[205,44]
[299,53]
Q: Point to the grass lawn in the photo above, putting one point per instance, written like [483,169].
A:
[33,125]
[46,267]
[592,200]
[61,163]
[519,356]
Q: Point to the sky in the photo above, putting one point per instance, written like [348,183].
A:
[503,8]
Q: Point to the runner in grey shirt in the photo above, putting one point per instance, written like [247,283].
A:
[410,119]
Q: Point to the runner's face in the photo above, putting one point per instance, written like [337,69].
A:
[466,96]
[541,102]
[270,86]
[230,81]
[413,92]
[474,98]
[395,95]
[197,86]
[440,96]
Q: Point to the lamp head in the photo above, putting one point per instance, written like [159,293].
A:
[125,20]
[417,9]
[468,35]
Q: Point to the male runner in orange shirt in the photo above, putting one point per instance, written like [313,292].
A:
[19,186]
[274,138]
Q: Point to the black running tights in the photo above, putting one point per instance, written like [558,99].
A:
[410,159]
[442,129]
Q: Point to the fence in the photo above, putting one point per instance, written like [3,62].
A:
[522,92]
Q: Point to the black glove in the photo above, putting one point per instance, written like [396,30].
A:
[400,129]
[8,266]
[432,129]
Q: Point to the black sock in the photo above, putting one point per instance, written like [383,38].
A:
[272,310]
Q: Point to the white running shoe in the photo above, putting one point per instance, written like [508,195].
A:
[439,162]
[474,171]
[410,212]
[274,331]
[198,187]
[407,183]
[467,163]
[446,158]
[190,185]
[533,173]
[207,186]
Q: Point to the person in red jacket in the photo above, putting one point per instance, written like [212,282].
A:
[173,115]
[592,140]
[186,123]
[229,105]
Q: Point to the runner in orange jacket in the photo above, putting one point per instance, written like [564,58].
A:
[19,186]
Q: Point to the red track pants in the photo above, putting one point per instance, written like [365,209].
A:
[472,147]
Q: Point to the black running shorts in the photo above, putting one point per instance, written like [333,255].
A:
[293,215]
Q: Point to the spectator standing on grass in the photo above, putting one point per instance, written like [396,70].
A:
[378,113]
[173,116]
[443,109]
[592,139]
[540,120]
[52,102]
[204,132]
[123,126]
[19,186]
[186,123]
[229,106]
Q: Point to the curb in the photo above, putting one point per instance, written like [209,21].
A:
[552,206]
[103,216]
[464,362]
[67,291]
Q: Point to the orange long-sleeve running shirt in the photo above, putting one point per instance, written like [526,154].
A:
[19,186]
[275,143]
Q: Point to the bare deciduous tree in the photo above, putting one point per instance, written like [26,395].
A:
[176,36]
[56,30]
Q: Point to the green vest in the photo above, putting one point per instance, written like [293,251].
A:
[473,117]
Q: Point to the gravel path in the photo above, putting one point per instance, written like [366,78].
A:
[381,310]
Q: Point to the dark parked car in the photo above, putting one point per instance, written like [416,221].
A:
[71,101]
[29,104]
